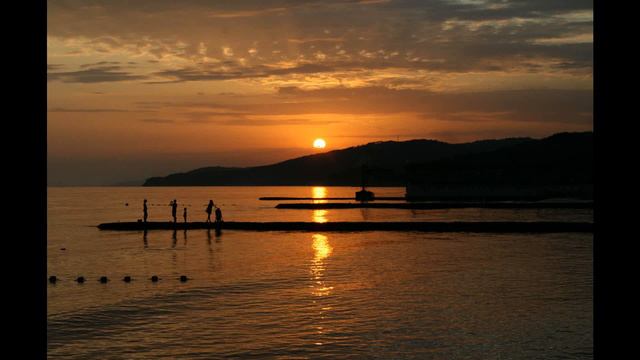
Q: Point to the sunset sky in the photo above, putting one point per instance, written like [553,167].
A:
[146,88]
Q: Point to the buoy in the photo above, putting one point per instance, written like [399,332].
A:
[53,279]
[80,279]
[127,278]
[154,278]
[183,278]
[103,279]
[63,249]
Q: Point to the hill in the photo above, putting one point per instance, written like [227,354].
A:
[558,166]
[387,161]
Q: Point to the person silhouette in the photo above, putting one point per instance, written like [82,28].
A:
[209,208]
[218,221]
[218,215]
[145,210]
[174,209]
[184,215]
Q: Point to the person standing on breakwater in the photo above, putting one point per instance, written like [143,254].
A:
[184,215]
[145,211]
[218,221]
[218,215]
[174,209]
[209,208]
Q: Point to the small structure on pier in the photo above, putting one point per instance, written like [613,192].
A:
[364,194]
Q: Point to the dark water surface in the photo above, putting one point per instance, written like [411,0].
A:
[310,295]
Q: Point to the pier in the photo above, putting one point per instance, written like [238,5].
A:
[272,198]
[476,227]
[440,205]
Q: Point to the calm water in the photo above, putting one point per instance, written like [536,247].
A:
[310,295]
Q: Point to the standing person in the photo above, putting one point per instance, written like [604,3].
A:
[218,221]
[184,215]
[218,215]
[145,211]
[209,208]
[174,209]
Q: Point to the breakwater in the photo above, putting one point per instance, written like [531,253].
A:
[484,227]
[439,205]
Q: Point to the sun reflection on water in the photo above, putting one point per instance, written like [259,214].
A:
[319,216]
[322,250]
[318,192]
[321,247]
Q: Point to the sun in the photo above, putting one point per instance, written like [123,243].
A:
[319,143]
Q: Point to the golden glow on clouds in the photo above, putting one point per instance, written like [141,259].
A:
[150,79]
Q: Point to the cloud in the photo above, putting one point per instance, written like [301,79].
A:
[272,122]
[158,121]
[236,72]
[289,90]
[541,105]
[95,75]
[227,51]
[55,66]
[441,36]
[292,104]
[410,68]
[99,64]
[313,40]
[245,13]
[80,110]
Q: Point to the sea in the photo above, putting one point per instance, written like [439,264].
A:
[308,295]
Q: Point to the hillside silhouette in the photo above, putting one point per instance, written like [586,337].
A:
[561,158]
[565,158]
[558,166]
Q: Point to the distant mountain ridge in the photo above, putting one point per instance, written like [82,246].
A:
[388,161]
[561,159]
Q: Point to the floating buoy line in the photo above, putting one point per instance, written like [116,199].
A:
[104,279]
